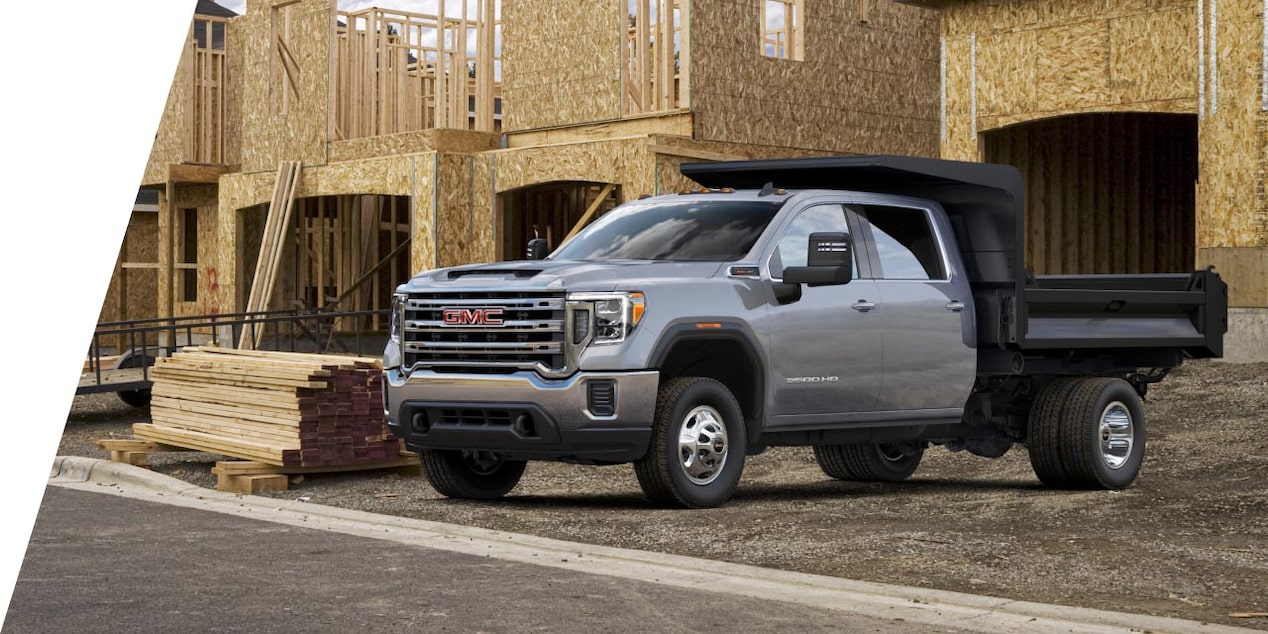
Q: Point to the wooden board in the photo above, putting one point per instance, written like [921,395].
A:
[270,407]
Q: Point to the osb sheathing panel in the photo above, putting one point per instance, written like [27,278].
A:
[623,161]
[464,217]
[669,178]
[562,63]
[863,87]
[235,74]
[959,140]
[169,145]
[431,140]
[203,198]
[1043,59]
[1232,138]
[298,134]
[1243,269]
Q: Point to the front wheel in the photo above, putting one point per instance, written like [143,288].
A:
[470,475]
[698,445]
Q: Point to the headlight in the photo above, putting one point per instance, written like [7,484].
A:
[614,315]
[397,318]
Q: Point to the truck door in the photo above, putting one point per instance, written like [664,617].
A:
[925,303]
[825,348]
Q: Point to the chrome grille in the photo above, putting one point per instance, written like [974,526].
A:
[530,334]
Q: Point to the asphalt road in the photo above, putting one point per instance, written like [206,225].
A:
[100,562]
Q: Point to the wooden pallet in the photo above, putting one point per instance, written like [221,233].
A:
[249,476]
[134,452]
[246,476]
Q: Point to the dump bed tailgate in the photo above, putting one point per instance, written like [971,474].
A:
[1187,311]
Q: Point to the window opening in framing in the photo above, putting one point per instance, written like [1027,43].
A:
[189,255]
[783,28]
[653,55]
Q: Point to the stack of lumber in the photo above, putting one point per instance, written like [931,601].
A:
[278,408]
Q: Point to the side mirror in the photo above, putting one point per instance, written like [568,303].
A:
[536,249]
[829,261]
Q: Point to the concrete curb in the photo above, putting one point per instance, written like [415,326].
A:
[916,605]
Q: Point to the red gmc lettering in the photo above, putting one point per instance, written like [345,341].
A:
[472,316]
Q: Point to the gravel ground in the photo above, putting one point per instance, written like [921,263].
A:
[1189,539]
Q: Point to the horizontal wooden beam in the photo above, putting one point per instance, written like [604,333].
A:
[674,123]
[189,173]
[703,155]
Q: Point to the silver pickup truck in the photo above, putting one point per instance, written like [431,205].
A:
[869,307]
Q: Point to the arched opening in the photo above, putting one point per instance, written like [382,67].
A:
[1105,193]
[550,211]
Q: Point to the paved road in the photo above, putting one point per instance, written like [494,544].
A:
[119,548]
[99,562]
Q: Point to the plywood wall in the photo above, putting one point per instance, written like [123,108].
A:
[868,84]
[561,63]
[284,115]
[1105,193]
[1012,61]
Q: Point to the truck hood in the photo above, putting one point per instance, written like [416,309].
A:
[560,275]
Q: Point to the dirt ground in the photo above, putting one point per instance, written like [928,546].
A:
[1189,539]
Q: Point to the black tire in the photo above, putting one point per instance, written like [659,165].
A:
[135,398]
[707,474]
[470,475]
[1087,433]
[869,462]
[1043,433]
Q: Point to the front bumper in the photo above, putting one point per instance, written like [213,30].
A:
[522,416]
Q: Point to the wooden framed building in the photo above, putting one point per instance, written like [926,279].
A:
[431,140]
[1138,125]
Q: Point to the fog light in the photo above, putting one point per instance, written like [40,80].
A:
[601,397]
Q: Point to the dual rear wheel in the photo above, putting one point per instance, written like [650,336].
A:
[1086,433]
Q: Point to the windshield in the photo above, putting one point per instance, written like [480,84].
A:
[682,231]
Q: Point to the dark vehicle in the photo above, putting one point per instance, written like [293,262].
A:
[869,307]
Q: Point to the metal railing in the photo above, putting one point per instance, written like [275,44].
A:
[139,342]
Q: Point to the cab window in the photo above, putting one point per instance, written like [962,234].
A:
[791,250]
[905,243]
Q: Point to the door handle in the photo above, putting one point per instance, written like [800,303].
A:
[955,305]
[863,305]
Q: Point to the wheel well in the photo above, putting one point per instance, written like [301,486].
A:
[726,360]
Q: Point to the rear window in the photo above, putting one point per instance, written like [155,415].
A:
[680,231]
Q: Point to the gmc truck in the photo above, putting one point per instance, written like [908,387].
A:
[869,307]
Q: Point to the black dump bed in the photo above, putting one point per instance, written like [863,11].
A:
[1123,320]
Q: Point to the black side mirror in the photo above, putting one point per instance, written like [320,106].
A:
[829,260]
[536,249]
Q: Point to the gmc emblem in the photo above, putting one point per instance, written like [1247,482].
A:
[471,316]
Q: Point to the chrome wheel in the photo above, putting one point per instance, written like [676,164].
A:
[702,444]
[1117,434]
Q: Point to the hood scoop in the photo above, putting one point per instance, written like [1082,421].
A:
[499,273]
